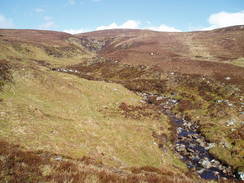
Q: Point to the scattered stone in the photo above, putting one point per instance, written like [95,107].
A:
[215,163]
[206,163]
[143,101]
[200,171]
[231,122]
[240,175]
[59,158]
[210,145]
[225,144]
[229,104]
[179,130]
[2,114]
[227,78]
[180,147]
[159,98]
[174,101]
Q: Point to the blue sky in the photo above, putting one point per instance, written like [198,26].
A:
[88,15]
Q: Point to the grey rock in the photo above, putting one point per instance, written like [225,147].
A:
[241,175]
[59,158]
[159,98]
[180,147]
[210,145]
[206,163]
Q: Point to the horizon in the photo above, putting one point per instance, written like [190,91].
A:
[79,16]
[129,29]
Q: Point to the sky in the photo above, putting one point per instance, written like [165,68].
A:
[75,16]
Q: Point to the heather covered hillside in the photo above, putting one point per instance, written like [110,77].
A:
[121,106]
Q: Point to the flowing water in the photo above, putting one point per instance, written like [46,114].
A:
[194,150]
[192,146]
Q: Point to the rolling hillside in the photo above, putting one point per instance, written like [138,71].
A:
[98,106]
[220,45]
[177,52]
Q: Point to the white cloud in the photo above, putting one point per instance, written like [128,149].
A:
[75,31]
[130,24]
[72,2]
[164,28]
[48,24]
[225,19]
[39,10]
[6,22]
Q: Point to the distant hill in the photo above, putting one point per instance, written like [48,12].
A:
[214,53]
[144,46]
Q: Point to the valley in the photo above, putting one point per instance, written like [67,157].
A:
[122,106]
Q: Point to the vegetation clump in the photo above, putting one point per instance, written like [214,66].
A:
[5,73]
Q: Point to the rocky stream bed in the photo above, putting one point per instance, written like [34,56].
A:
[191,146]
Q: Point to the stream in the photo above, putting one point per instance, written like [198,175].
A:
[191,146]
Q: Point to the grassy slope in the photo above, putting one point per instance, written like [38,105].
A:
[60,113]
[54,48]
